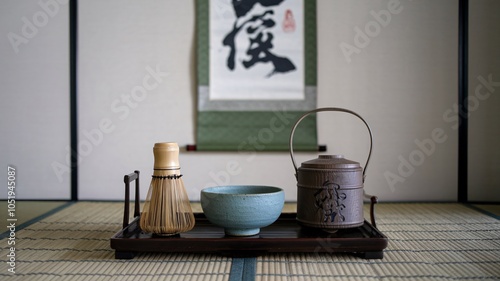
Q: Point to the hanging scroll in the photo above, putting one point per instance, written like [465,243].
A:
[256,74]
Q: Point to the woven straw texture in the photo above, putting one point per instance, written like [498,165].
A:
[426,242]
[73,244]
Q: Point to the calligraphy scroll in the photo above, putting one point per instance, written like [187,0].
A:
[256,74]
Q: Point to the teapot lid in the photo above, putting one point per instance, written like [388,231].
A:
[330,162]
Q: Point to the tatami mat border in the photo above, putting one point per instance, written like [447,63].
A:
[37,219]
[479,209]
[243,269]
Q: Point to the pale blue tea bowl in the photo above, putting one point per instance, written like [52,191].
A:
[242,209]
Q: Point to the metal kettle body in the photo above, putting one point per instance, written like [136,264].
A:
[330,188]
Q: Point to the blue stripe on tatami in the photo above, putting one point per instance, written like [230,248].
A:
[243,269]
[236,273]
[249,269]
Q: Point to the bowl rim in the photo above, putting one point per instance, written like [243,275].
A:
[212,190]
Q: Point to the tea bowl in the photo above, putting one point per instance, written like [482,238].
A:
[242,209]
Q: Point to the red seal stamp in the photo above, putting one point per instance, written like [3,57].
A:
[288,21]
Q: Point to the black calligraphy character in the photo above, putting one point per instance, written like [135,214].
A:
[260,45]
[229,40]
[261,53]
[242,7]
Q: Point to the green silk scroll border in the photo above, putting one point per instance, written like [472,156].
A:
[310,47]
[255,131]
[202,33]
[252,130]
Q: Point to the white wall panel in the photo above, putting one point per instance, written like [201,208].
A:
[484,101]
[135,88]
[34,107]
[395,63]
[402,79]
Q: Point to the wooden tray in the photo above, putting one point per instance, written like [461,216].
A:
[283,236]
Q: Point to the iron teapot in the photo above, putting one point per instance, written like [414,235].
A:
[330,188]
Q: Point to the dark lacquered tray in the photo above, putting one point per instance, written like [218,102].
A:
[283,236]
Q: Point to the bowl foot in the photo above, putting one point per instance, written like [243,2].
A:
[241,231]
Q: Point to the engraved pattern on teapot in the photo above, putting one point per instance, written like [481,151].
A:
[328,200]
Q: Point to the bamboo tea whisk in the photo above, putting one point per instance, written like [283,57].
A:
[167,210]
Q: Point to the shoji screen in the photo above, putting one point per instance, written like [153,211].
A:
[396,64]
[135,66]
[34,106]
[393,62]
[484,101]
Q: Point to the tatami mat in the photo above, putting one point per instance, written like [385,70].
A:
[73,244]
[426,242]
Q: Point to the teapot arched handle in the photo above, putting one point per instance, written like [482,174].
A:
[331,109]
